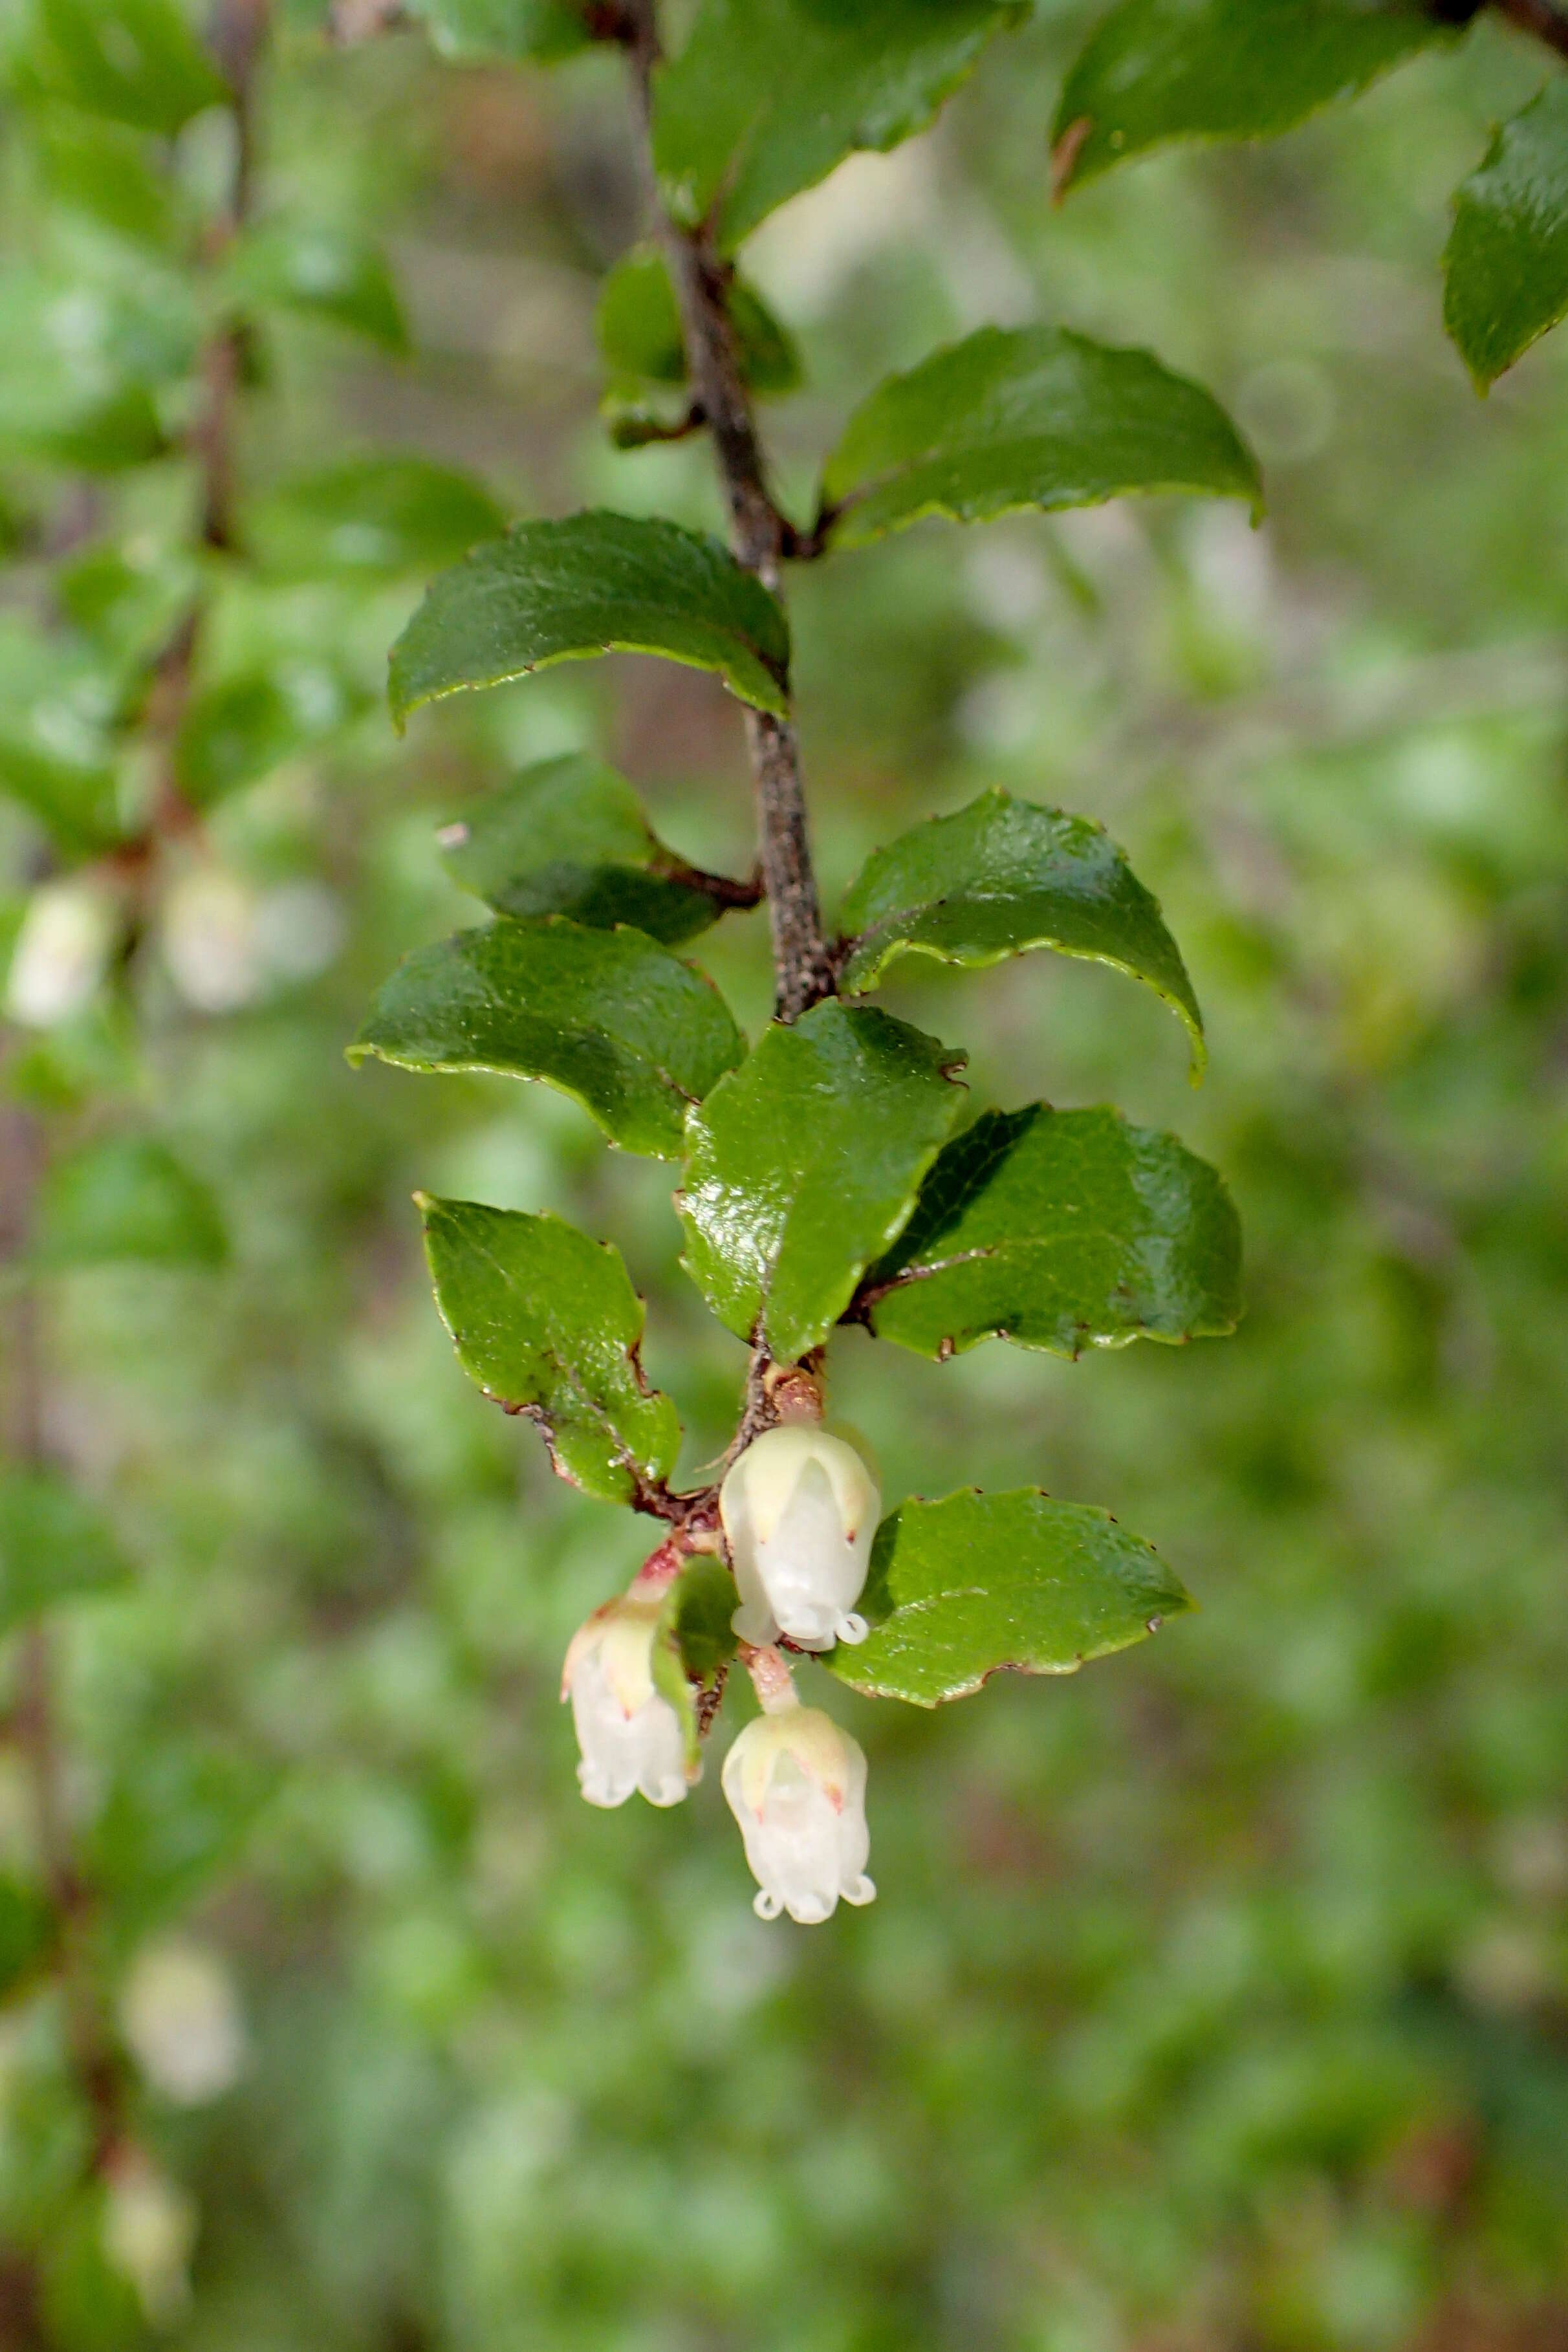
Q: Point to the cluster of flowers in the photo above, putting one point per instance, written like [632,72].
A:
[799,1512]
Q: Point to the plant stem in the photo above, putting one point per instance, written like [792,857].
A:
[1542,17]
[803,968]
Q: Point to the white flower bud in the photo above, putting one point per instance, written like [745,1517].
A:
[796,1784]
[630,1735]
[150,2226]
[61,954]
[210,941]
[800,1511]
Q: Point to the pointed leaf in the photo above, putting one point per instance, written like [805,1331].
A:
[960,1588]
[1031,417]
[54,1545]
[547,1322]
[369,516]
[466,30]
[695,1644]
[321,271]
[1507,259]
[608,1017]
[127,1197]
[805,1164]
[1060,1230]
[569,837]
[1002,877]
[768,95]
[593,583]
[1162,69]
[136,61]
[638,326]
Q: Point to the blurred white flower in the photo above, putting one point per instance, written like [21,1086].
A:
[183,2023]
[796,1784]
[210,939]
[300,929]
[61,954]
[150,2226]
[630,1735]
[800,1512]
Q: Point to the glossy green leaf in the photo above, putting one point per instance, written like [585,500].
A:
[469,30]
[638,326]
[321,271]
[805,1165]
[54,1545]
[136,61]
[959,1590]
[371,516]
[1506,265]
[593,583]
[609,1017]
[1028,416]
[548,1324]
[56,749]
[1060,1230]
[569,837]
[1162,69]
[768,95]
[1002,877]
[127,1198]
[240,728]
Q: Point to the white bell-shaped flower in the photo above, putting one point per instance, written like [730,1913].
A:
[800,1512]
[61,954]
[630,1735]
[796,1784]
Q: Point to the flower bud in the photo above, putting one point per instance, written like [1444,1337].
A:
[61,954]
[796,1784]
[630,1735]
[800,1511]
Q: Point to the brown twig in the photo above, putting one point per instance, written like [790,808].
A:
[1543,19]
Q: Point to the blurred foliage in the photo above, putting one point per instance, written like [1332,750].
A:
[1218,1997]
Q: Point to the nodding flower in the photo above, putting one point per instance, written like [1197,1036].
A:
[800,1512]
[630,1735]
[796,1785]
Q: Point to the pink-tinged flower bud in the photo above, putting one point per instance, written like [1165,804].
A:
[796,1784]
[630,1735]
[800,1512]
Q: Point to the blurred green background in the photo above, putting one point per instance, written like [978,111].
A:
[1216,2000]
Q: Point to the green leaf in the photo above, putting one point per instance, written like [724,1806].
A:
[91,168]
[129,596]
[56,752]
[638,326]
[136,61]
[178,1811]
[469,30]
[1002,877]
[960,1588]
[768,95]
[126,1197]
[242,728]
[632,1034]
[1060,1230]
[569,837]
[805,1165]
[79,366]
[1031,417]
[380,516]
[548,1324]
[27,1934]
[593,583]
[695,1644]
[1506,265]
[54,1546]
[1162,69]
[322,272]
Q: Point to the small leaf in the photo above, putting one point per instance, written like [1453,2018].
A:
[1060,1230]
[379,516]
[960,1588]
[768,95]
[547,1322]
[638,326]
[54,1546]
[90,168]
[592,583]
[805,1164]
[82,364]
[569,837]
[242,728]
[1506,265]
[695,1644]
[1031,417]
[471,30]
[126,1197]
[632,1034]
[1162,69]
[136,61]
[56,749]
[1002,877]
[321,271]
